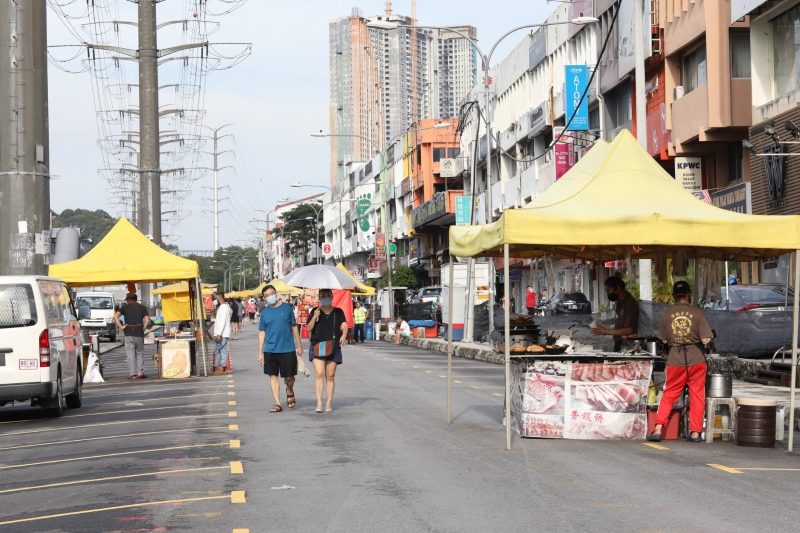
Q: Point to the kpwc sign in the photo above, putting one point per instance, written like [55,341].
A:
[576,80]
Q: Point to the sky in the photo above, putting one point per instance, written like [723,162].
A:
[274,99]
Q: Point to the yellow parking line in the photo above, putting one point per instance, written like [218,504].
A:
[231,386]
[96,480]
[152,399]
[496,394]
[231,393]
[656,446]
[237,496]
[108,424]
[110,437]
[231,414]
[414,367]
[725,469]
[240,530]
[232,402]
[233,427]
[236,467]
[118,412]
[474,387]
[117,454]
[456,381]
[428,372]
[235,443]
[129,506]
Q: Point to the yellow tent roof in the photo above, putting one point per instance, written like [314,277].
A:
[125,255]
[183,286]
[361,289]
[617,198]
[280,286]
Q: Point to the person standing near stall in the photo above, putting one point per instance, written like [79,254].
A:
[685,330]
[222,332]
[328,328]
[627,309]
[137,318]
[530,300]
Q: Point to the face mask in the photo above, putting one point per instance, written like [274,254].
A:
[326,301]
[613,296]
[271,300]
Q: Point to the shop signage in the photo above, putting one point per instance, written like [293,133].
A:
[576,79]
[373,262]
[774,166]
[579,8]
[405,186]
[451,168]
[736,198]
[513,275]
[430,210]
[540,117]
[380,246]
[538,50]
[462,210]
[658,136]
[413,258]
[358,273]
[175,359]
[564,155]
[689,173]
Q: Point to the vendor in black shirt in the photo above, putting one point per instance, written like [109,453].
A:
[327,324]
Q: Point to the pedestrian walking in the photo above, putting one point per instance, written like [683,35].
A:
[530,300]
[685,330]
[137,318]
[328,328]
[235,316]
[222,331]
[279,347]
[359,320]
[251,310]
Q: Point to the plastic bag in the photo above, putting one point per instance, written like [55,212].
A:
[93,370]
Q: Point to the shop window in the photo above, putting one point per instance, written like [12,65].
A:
[452,153]
[735,162]
[594,119]
[786,44]
[740,55]
[624,111]
[439,154]
[693,69]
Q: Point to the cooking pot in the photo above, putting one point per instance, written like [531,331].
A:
[654,347]
[719,386]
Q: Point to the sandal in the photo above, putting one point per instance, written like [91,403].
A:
[318,410]
[276,409]
[290,401]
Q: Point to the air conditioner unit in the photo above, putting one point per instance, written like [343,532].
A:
[678,92]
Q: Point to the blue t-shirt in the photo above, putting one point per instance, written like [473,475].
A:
[276,323]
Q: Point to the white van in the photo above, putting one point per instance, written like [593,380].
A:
[101,307]
[40,344]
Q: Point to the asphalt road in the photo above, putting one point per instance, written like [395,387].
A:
[383,460]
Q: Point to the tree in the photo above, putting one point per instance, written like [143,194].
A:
[214,269]
[94,225]
[299,228]
[402,276]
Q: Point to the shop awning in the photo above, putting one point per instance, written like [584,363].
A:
[618,199]
[125,255]
[360,289]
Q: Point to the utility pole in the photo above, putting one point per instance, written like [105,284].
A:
[489,206]
[24,131]
[645,267]
[215,169]
[149,156]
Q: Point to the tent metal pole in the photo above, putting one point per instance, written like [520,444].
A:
[795,312]
[507,328]
[450,290]
[201,323]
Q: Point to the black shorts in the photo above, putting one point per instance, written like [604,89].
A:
[284,364]
[252,316]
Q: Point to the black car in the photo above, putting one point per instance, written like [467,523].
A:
[570,303]
[755,298]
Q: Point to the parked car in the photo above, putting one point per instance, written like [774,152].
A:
[569,303]
[428,294]
[101,306]
[757,297]
[40,344]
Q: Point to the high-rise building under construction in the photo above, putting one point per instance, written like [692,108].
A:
[384,81]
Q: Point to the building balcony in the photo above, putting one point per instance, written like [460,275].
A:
[690,116]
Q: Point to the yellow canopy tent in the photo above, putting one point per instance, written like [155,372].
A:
[617,199]
[360,289]
[175,301]
[282,288]
[127,256]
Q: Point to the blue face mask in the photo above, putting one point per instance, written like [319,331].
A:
[326,301]
[272,300]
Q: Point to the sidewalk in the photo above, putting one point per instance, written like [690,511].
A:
[482,352]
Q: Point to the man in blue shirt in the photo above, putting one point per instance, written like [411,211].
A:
[278,346]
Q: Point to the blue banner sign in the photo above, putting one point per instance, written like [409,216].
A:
[462,210]
[575,84]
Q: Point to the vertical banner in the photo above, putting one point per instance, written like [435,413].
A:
[576,80]
[462,210]
[564,156]
[380,246]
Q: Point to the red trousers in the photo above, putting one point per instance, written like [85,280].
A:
[676,379]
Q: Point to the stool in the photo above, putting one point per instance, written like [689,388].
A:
[711,410]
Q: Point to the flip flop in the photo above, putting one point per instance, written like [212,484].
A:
[290,401]
[276,409]
[652,437]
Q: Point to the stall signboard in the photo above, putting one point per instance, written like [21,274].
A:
[380,246]
[176,359]
[462,210]
[689,173]
[430,210]
[736,198]
[565,158]
[573,400]
[451,167]
[577,109]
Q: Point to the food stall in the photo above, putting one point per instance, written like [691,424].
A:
[586,216]
[126,256]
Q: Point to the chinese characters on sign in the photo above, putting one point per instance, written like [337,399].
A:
[380,246]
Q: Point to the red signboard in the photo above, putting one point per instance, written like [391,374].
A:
[657,133]
[373,263]
[565,158]
[380,246]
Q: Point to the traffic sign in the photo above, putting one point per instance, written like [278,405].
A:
[327,249]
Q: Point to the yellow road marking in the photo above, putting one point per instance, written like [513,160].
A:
[231,414]
[95,480]
[116,412]
[117,507]
[725,469]
[656,446]
[403,363]
[233,427]
[456,381]
[108,437]
[497,394]
[107,424]
[232,402]
[614,505]
[414,367]
[474,387]
[237,496]
[235,443]
[231,386]
[428,372]
[236,467]
[443,377]
[231,393]
[241,530]
[772,469]
[117,454]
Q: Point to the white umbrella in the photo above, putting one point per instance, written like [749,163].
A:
[319,277]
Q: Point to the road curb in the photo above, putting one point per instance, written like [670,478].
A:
[439,345]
